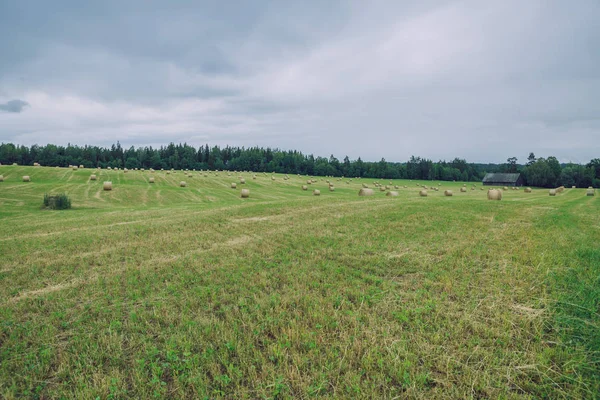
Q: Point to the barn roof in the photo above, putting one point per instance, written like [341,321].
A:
[496,177]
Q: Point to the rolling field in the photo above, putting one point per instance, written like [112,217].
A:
[158,291]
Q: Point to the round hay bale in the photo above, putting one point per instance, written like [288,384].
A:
[1,178]
[125,170]
[93,177]
[107,186]
[472,188]
[242,181]
[233,186]
[448,193]
[245,193]
[573,187]
[494,194]
[366,192]
[36,164]
[396,187]
[26,178]
[81,166]
[190,175]
[560,189]
[331,188]
[392,193]
[14,164]
[463,189]
[182,184]
[168,172]
[75,168]
[316,192]
[308,182]
[151,180]
[381,189]
[505,188]
[365,186]
[304,187]
[527,190]
[552,192]
[253,176]
[590,192]
[272,178]
[423,193]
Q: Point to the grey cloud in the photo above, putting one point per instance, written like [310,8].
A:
[14,106]
[435,78]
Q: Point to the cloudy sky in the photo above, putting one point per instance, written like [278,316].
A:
[482,80]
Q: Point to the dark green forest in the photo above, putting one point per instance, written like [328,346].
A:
[541,172]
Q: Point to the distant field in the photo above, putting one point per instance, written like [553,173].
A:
[158,291]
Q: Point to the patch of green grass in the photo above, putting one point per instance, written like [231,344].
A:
[154,291]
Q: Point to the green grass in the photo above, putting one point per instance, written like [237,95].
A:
[157,291]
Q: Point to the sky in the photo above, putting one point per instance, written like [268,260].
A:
[480,80]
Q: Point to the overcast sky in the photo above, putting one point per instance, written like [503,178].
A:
[481,80]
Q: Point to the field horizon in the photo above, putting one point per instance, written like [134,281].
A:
[152,290]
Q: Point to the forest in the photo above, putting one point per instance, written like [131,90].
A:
[540,172]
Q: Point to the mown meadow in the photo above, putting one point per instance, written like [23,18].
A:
[152,290]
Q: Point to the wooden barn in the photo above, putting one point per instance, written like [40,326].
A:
[497,179]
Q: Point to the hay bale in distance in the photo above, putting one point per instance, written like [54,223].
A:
[448,193]
[381,188]
[304,187]
[527,190]
[316,192]
[233,185]
[392,193]
[331,188]
[107,186]
[365,186]
[505,188]
[182,184]
[245,193]
[590,192]
[242,181]
[151,180]
[463,189]
[552,192]
[366,192]
[423,193]
[26,178]
[494,194]
[93,177]
[1,178]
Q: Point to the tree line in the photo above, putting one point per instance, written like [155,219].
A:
[537,172]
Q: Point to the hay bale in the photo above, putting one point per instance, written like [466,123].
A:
[245,193]
[253,176]
[366,192]
[304,187]
[448,193]
[75,168]
[14,164]
[125,170]
[168,172]
[272,178]
[365,186]
[436,189]
[505,188]
[81,166]
[308,182]
[527,190]
[573,187]
[423,193]
[331,188]
[242,181]
[1,178]
[560,189]
[26,178]
[190,175]
[392,193]
[494,194]
[552,192]
[463,189]
[93,177]
[36,164]
[381,189]
[151,180]
[182,184]
[316,192]
[590,192]
[107,186]
[233,186]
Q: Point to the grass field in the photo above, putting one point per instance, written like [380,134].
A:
[158,291]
